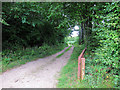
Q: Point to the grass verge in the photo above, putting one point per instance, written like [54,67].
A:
[16,58]
[93,79]
[63,52]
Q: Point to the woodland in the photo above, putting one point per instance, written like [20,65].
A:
[33,30]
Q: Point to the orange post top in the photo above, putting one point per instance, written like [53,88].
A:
[79,63]
[82,54]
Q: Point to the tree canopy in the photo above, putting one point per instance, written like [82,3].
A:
[35,23]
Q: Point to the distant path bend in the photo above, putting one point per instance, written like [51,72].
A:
[42,73]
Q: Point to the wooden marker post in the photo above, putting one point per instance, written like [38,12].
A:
[81,65]
[82,73]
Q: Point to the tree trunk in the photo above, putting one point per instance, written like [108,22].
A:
[81,34]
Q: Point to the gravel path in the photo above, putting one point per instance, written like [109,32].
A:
[42,73]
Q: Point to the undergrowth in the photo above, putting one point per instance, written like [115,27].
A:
[21,56]
[95,74]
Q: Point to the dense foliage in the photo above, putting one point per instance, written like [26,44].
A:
[37,24]
[31,31]
[107,33]
[32,24]
[100,33]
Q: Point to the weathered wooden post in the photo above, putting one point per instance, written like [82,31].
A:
[79,68]
[81,65]
[82,73]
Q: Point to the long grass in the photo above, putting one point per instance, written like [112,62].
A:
[16,58]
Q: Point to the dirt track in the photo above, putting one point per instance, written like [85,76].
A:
[42,73]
